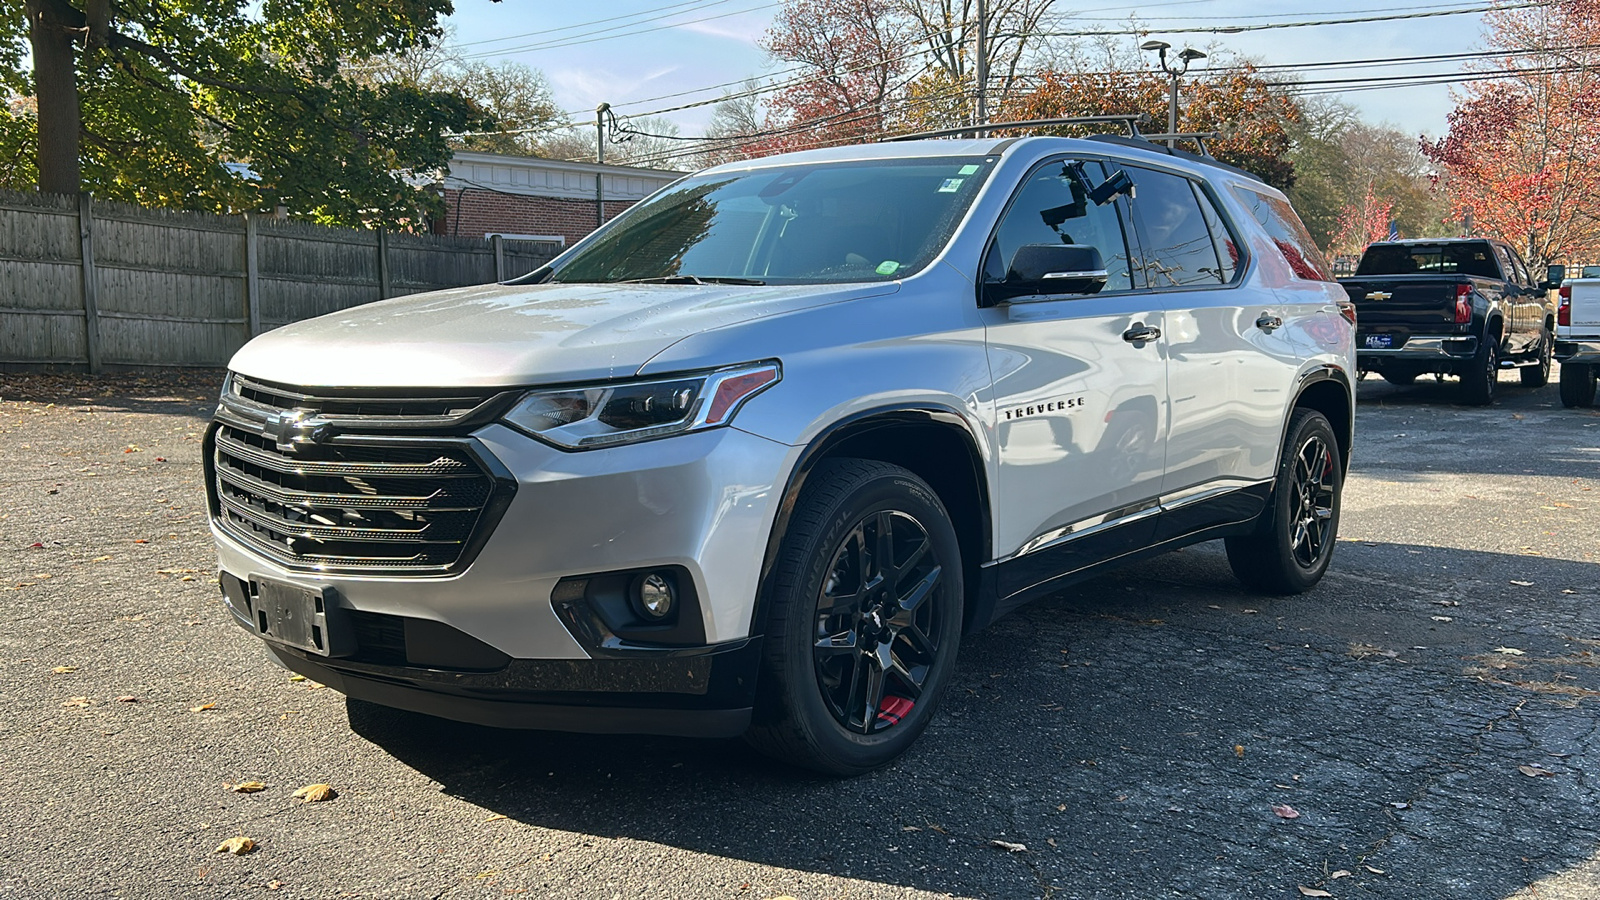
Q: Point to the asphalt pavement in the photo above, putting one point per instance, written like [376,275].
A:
[1422,725]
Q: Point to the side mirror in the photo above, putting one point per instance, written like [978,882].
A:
[1106,191]
[1051,270]
[1553,276]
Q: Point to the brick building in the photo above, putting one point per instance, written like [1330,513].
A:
[527,198]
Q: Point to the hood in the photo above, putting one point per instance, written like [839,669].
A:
[498,335]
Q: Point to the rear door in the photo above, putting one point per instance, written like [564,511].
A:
[1080,405]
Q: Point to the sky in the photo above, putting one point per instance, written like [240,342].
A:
[626,52]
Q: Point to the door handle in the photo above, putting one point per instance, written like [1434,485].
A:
[1140,332]
[1268,321]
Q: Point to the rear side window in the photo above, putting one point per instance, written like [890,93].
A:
[1227,246]
[1287,232]
[1175,241]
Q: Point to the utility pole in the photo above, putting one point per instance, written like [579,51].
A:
[600,158]
[982,63]
[1187,55]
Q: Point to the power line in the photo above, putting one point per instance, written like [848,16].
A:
[576,40]
[1238,29]
[643,12]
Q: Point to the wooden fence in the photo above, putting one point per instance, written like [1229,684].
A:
[95,284]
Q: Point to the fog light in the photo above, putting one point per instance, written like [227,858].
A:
[655,596]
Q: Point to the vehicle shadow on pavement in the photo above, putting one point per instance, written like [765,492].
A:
[183,393]
[1151,731]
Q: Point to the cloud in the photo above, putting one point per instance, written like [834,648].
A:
[745,29]
[590,86]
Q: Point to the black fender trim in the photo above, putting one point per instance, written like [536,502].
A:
[852,427]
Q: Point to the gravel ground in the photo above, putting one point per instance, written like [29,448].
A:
[1135,734]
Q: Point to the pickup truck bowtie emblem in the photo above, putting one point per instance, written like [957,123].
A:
[292,427]
[1378,295]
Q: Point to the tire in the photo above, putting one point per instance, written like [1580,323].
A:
[1479,378]
[1399,378]
[1539,375]
[1294,541]
[1577,385]
[841,627]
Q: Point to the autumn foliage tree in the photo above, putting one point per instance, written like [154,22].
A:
[1361,223]
[1251,113]
[854,53]
[1521,159]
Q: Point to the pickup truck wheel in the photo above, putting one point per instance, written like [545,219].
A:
[864,620]
[1577,385]
[1478,380]
[1294,542]
[1539,375]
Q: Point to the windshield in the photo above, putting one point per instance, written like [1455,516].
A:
[866,220]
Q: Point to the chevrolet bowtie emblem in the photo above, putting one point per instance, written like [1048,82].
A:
[292,427]
[1378,295]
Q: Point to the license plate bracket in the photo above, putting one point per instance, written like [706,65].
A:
[1379,341]
[303,617]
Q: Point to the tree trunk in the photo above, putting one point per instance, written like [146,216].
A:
[55,81]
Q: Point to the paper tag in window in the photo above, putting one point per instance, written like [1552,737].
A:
[888,267]
[951,185]
[967,170]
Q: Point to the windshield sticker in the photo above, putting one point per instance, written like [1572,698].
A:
[967,170]
[888,267]
[951,185]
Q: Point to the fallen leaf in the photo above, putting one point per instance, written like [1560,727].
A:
[100,559]
[1373,870]
[1399,804]
[248,787]
[1285,812]
[316,793]
[1342,873]
[909,828]
[497,817]
[1510,651]
[127,698]
[1050,841]
[1441,618]
[35,546]
[64,670]
[1061,807]
[1250,612]
[1314,892]
[79,702]
[1008,846]
[1522,583]
[1535,772]
[938,828]
[297,677]
[274,884]
[141,541]
[238,846]
[1568,591]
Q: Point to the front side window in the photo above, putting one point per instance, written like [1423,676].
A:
[1053,207]
[1176,244]
[823,223]
[1288,233]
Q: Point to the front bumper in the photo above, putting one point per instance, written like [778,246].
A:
[701,503]
[1582,351]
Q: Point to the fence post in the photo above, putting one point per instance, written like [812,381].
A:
[91,310]
[252,273]
[499,257]
[383,264]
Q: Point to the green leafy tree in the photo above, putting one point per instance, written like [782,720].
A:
[145,102]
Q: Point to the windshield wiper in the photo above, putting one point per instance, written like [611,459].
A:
[693,279]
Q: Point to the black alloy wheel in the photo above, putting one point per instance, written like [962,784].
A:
[862,613]
[1295,536]
[1538,374]
[1478,381]
[877,636]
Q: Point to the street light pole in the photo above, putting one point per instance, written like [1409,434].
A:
[1186,56]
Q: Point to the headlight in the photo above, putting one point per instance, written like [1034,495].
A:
[602,415]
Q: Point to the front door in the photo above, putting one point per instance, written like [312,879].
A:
[1080,390]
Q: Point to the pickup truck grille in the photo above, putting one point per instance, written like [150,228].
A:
[344,482]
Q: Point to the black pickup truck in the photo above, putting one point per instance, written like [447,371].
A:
[1467,307]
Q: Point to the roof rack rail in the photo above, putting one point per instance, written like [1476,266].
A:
[1131,121]
[1199,138]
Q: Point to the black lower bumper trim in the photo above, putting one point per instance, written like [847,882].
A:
[702,723]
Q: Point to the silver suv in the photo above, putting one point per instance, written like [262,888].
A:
[755,456]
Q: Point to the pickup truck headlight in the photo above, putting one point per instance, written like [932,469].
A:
[604,415]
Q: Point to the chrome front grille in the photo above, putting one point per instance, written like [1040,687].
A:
[361,482]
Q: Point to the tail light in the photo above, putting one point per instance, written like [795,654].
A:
[1348,311]
[1463,304]
[1564,311]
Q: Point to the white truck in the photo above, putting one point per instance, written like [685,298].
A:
[1578,337]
